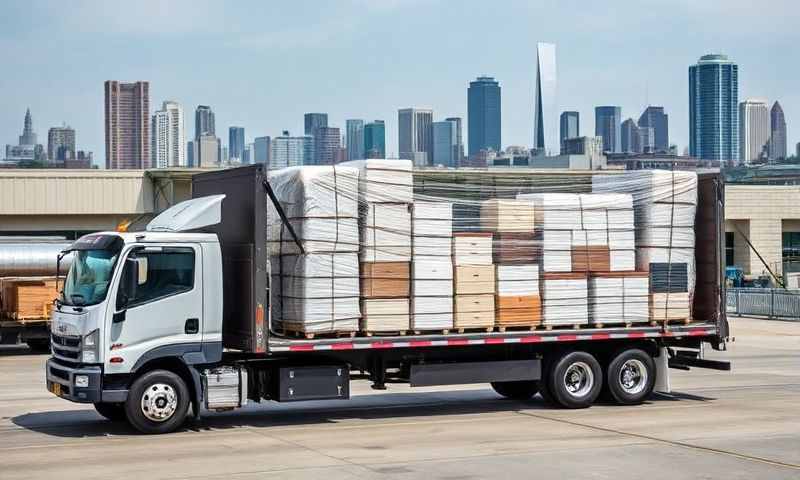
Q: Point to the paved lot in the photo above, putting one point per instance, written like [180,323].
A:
[744,424]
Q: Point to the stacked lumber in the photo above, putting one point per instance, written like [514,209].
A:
[665,205]
[27,299]
[619,297]
[432,266]
[474,282]
[565,299]
[385,197]
[316,292]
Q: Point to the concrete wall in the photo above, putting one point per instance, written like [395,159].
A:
[767,209]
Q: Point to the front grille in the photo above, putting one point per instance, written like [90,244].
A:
[57,372]
[73,342]
[68,354]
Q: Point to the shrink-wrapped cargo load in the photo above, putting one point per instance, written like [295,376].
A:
[386,232]
[618,298]
[384,180]
[518,301]
[382,315]
[565,299]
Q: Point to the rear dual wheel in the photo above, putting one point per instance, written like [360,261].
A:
[630,376]
[572,380]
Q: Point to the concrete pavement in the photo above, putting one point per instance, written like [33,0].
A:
[743,424]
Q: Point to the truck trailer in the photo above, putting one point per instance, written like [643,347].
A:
[157,326]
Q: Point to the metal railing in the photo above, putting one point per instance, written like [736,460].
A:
[768,302]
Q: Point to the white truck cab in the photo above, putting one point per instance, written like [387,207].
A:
[132,298]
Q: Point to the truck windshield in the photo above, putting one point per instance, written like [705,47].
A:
[89,276]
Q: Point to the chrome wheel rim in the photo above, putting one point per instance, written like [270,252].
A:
[578,379]
[633,376]
[159,402]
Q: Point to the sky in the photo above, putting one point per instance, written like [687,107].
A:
[262,64]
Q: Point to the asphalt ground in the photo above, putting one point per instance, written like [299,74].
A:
[729,425]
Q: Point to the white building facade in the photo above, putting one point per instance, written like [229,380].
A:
[754,130]
[168,137]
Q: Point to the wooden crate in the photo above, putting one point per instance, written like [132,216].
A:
[512,311]
[591,259]
[474,279]
[385,279]
[27,299]
[474,311]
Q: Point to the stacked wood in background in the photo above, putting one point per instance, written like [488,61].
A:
[27,299]
[432,266]
[385,195]
[316,292]
[665,204]
[474,280]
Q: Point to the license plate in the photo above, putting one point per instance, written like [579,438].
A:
[55,388]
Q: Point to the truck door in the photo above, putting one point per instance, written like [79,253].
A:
[162,313]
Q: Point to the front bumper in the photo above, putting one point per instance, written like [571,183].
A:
[61,382]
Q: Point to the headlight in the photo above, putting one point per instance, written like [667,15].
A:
[90,344]
[81,381]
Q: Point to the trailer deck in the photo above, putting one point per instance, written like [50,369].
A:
[698,329]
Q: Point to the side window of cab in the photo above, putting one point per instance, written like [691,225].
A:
[162,272]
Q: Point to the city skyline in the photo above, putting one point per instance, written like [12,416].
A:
[632,81]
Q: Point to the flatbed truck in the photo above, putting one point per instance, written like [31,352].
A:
[156,326]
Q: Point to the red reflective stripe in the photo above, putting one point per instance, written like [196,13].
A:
[342,346]
[301,348]
[533,339]
[491,341]
[600,336]
[697,332]
[420,343]
[636,335]
[458,341]
[567,338]
[382,344]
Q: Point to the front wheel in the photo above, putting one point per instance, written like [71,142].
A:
[520,390]
[157,402]
[574,380]
[631,376]
[111,411]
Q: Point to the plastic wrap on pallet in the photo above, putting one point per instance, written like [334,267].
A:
[442,249]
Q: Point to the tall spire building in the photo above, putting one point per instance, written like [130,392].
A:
[777,137]
[28,136]
[545,108]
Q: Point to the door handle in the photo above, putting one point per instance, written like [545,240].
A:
[192,326]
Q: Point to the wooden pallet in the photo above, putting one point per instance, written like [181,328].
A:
[520,328]
[443,331]
[313,335]
[611,325]
[671,321]
[473,329]
[386,333]
[576,326]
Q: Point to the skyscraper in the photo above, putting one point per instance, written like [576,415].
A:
[288,151]
[355,139]
[713,99]
[483,115]
[629,136]
[607,125]
[60,144]
[445,143]
[375,139]
[777,138]
[236,144]
[313,121]
[326,145]
[459,155]
[261,150]
[203,121]
[415,135]
[168,137]
[28,136]
[570,125]
[127,124]
[655,118]
[754,130]
[545,108]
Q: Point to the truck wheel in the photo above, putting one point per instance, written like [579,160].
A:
[631,376]
[575,380]
[521,390]
[157,402]
[111,411]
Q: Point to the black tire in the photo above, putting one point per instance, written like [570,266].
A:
[631,376]
[39,345]
[160,393]
[520,390]
[112,411]
[575,380]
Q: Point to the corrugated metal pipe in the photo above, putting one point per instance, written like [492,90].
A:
[32,259]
